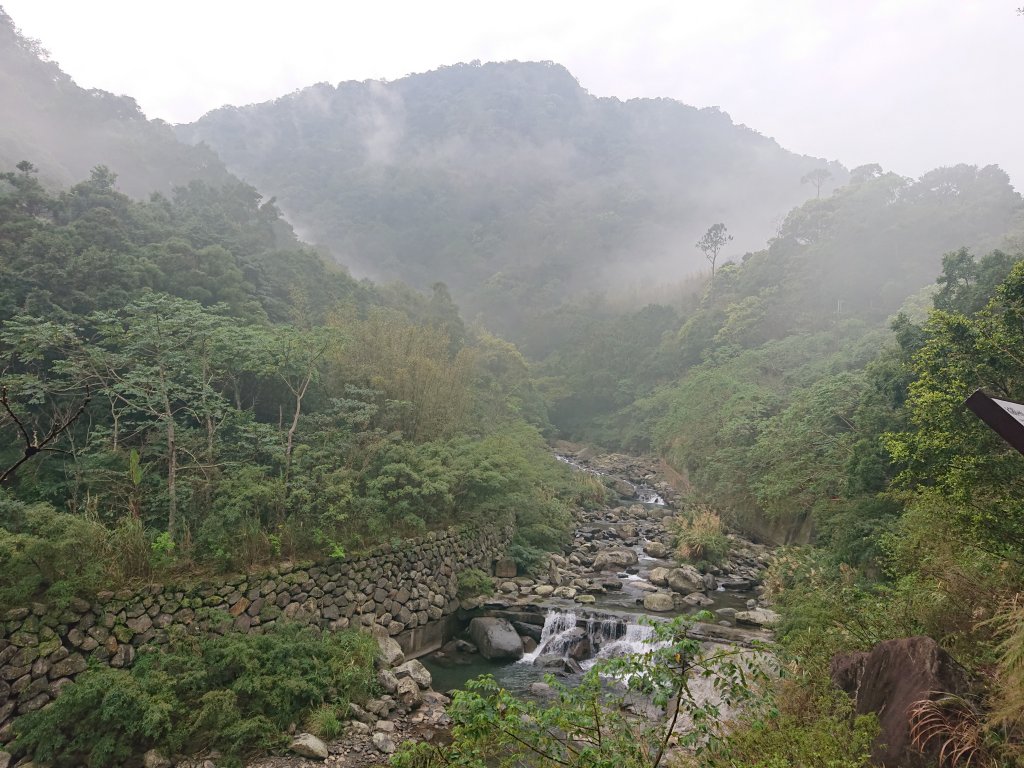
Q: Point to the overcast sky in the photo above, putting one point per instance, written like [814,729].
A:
[910,84]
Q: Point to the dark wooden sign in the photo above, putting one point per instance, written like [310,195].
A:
[1004,417]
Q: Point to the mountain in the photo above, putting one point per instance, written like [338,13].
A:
[66,130]
[508,181]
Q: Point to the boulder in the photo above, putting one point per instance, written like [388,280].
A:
[614,559]
[659,576]
[383,742]
[387,681]
[496,638]
[408,692]
[505,568]
[685,579]
[758,617]
[888,680]
[5,759]
[543,590]
[416,671]
[390,651]
[656,549]
[658,601]
[308,745]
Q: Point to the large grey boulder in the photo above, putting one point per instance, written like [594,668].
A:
[614,559]
[656,549]
[685,579]
[308,745]
[496,638]
[659,576]
[658,601]
[758,617]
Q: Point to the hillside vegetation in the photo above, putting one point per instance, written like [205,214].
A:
[509,182]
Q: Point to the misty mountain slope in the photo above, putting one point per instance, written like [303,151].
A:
[66,130]
[507,181]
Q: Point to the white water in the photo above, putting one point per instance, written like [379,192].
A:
[609,637]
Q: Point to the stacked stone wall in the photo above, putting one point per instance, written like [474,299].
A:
[390,589]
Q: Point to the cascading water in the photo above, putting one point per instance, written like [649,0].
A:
[598,637]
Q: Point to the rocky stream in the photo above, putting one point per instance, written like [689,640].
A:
[584,606]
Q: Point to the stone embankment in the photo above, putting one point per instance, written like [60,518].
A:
[402,592]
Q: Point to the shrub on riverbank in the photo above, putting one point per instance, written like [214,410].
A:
[700,536]
[236,694]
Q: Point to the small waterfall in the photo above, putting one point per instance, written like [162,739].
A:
[603,637]
[558,634]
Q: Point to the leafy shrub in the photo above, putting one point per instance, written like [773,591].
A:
[474,582]
[236,694]
[825,736]
[700,537]
[51,554]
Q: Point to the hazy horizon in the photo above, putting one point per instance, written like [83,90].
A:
[907,84]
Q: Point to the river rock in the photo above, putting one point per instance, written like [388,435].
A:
[658,601]
[308,745]
[659,576]
[5,759]
[495,638]
[543,590]
[698,600]
[685,579]
[567,593]
[614,559]
[656,549]
[758,617]
[586,599]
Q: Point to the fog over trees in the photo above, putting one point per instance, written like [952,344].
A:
[298,332]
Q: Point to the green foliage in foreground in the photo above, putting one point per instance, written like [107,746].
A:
[236,694]
[592,725]
[796,729]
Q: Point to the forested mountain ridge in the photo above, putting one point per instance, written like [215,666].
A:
[843,263]
[508,181]
[66,130]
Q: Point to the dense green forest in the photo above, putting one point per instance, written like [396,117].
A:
[508,181]
[183,379]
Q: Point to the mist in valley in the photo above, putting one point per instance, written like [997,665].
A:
[335,336]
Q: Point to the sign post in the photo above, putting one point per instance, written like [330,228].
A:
[1006,418]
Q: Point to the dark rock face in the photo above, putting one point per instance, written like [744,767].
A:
[888,680]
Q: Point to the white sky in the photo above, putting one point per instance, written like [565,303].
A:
[910,84]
